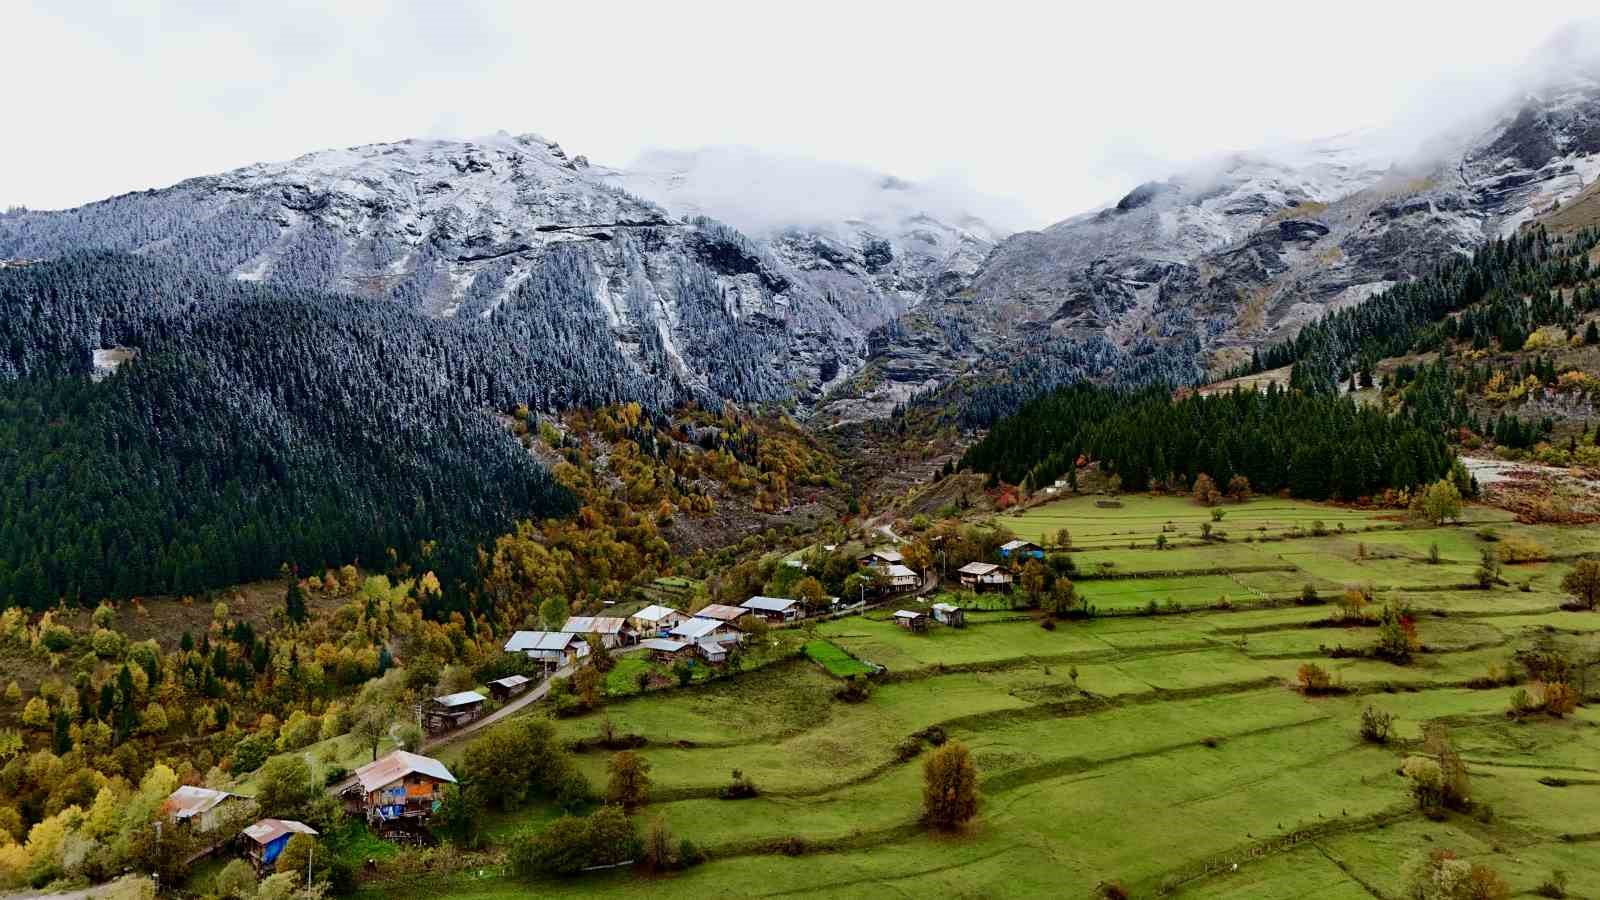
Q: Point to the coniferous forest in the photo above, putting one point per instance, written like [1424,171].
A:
[262,425]
[1316,446]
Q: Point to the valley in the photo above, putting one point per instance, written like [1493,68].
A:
[465,518]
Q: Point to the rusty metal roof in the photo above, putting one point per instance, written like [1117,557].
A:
[398,764]
[268,830]
[722,612]
[193,800]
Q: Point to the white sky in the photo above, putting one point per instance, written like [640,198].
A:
[1056,107]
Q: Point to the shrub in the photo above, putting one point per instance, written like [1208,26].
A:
[1583,583]
[1205,490]
[1557,698]
[1376,725]
[1554,886]
[237,879]
[740,788]
[1518,549]
[629,785]
[949,787]
[571,844]
[1441,876]
[1308,596]
[1315,680]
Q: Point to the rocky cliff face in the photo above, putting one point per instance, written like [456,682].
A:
[454,229]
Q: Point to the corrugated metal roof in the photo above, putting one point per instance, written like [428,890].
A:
[722,612]
[594,625]
[1016,545]
[886,554]
[193,800]
[511,681]
[539,640]
[769,604]
[946,607]
[398,764]
[977,568]
[655,613]
[907,614]
[663,645]
[712,648]
[899,571]
[268,830]
[694,629]
[460,698]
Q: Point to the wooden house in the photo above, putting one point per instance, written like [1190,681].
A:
[880,558]
[982,576]
[655,620]
[722,612]
[665,649]
[504,689]
[776,610]
[552,649]
[712,652]
[901,578]
[265,840]
[613,632]
[911,620]
[452,711]
[950,614]
[398,789]
[1020,550]
[698,630]
[199,808]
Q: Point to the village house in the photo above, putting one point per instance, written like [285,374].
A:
[655,620]
[200,808]
[713,653]
[452,711]
[265,840]
[881,558]
[1019,549]
[503,689]
[722,612]
[911,620]
[950,614]
[776,610]
[901,578]
[982,576]
[552,649]
[665,649]
[698,630]
[398,788]
[613,632]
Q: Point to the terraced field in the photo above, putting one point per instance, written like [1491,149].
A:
[1168,753]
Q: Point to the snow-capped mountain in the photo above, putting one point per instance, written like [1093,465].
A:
[454,229]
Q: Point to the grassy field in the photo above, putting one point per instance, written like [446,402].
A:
[838,663]
[1168,753]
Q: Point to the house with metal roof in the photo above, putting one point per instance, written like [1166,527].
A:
[712,652]
[982,576]
[265,840]
[655,619]
[452,711]
[881,557]
[722,612]
[504,689]
[950,614]
[665,649]
[901,578]
[775,609]
[199,808]
[1017,549]
[697,630]
[613,631]
[398,788]
[553,649]
[911,620]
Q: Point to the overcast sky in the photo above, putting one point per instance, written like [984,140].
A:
[1051,107]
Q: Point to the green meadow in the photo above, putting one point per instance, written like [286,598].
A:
[1167,753]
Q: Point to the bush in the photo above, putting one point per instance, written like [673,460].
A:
[949,787]
[1308,596]
[1557,698]
[1554,886]
[629,785]
[237,879]
[1376,725]
[571,844]
[740,788]
[1316,680]
[1518,549]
